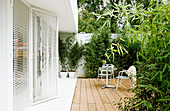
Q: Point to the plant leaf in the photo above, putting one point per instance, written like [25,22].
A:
[148,104]
[143,101]
[164,99]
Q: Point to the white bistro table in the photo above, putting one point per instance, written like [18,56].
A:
[107,79]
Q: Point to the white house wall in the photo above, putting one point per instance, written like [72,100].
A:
[14,36]
[6,56]
[9,80]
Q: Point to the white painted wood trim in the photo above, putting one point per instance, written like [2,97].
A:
[44,11]
[31,46]
[57,58]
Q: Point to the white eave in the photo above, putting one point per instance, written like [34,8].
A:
[66,11]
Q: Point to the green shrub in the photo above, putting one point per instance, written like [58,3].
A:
[154,68]
[94,52]
[65,47]
[74,56]
[125,60]
[63,54]
[153,88]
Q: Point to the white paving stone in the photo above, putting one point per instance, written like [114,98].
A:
[63,102]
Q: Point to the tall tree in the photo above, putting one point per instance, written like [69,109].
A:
[90,23]
[87,21]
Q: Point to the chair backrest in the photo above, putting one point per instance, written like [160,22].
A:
[104,67]
[107,67]
[131,71]
[110,67]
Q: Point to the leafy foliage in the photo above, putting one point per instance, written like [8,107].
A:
[124,54]
[88,22]
[63,54]
[74,56]
[70,53]
[64,50]
[94,52]
[154,66]
[95,6]
[152,30]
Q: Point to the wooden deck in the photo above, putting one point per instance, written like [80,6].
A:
[89,96]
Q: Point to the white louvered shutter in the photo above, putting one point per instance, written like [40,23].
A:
[20,55]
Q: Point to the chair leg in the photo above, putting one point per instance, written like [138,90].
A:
[117,84]
[100,78]
[110,80]
[133,80]
[121,79]
[118,81]
[113,79]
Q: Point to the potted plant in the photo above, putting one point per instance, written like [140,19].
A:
[63,58]
[74,56]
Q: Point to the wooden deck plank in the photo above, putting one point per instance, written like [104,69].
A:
[127,83]
[75,107]
[92,107]
[126,90]
[101,92]
[83,107]
[125,86]
[119,91]
[91,97]
[98,101]
[122,92]
[110,97]
[76,98]
[115,96]
[78,85]
[109,107]
[83,99]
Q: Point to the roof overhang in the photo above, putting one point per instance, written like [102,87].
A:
[66,11]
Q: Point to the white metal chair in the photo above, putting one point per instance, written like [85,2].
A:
[131,74]
[105,69]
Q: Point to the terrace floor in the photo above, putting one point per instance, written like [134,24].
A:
[89,96]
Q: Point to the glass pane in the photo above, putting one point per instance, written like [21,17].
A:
[45,83]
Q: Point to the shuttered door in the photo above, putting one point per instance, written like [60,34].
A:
[20,55]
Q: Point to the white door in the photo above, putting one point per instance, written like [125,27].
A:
[44,77]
